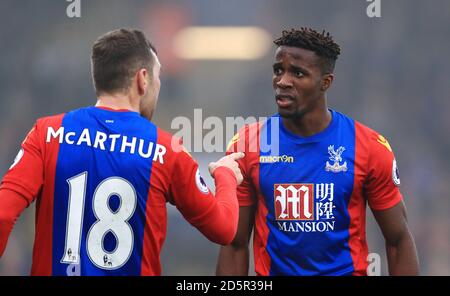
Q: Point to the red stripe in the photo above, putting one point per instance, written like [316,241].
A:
[357,205]
[154,232]
[262,257]
[42,251]
[156,213]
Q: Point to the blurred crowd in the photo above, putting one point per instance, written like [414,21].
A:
[393,75]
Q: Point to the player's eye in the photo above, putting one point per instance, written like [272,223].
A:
[298,73]
[277,71]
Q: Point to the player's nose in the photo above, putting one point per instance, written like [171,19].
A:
[284,82]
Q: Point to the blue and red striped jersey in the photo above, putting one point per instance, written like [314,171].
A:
[101,179]
[311,194]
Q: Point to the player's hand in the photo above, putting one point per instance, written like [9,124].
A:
[229,161]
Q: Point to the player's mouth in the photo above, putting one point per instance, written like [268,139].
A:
[284,101]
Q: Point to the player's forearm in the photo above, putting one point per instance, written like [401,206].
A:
[222,226]
[402,256]
[11,205]
[233,261]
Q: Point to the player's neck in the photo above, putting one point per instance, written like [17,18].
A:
[117,102]
[310,123]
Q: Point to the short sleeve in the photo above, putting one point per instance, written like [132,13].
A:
[241,143]
[383,181]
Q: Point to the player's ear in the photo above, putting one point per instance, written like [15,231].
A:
[327,80]
[142,81]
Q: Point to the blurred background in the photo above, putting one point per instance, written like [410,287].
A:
[393,75]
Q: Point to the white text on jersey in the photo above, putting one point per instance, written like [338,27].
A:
[105,142]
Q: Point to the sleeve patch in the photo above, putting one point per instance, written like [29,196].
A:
[201,185]
[17,159]
[395,174]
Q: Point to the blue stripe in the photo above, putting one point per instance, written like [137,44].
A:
[298,252]
[100,165]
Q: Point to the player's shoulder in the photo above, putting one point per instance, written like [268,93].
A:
[56,120]
[249,127]
[247,136]
[165,137]
[376,142]
[173,144]
[53,121]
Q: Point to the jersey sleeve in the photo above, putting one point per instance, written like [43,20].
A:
[12,205]
[26,174]
[241,143]
[383,181]
[215,216]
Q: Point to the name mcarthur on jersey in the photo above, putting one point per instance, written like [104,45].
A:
[110,142]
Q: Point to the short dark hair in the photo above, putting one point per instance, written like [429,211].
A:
[320,43]
[116,56]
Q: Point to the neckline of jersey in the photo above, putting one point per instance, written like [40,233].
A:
[107,109]
[314,138]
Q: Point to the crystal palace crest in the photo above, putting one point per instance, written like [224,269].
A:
[336,158]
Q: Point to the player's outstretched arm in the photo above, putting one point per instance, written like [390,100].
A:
[230,162]
[215,217]
[12,205]
[234,258]
[400,247]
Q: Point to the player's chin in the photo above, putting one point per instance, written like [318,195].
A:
[287,112]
